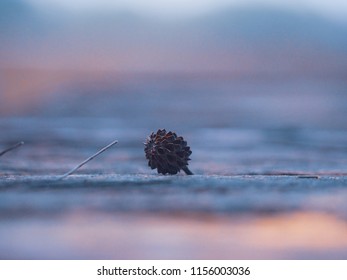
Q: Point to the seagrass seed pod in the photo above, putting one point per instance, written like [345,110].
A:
[167,152]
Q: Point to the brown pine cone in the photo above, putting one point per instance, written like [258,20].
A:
[167,152]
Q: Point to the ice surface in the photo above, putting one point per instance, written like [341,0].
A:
[271,174]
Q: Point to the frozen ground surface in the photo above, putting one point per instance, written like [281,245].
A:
[270,161]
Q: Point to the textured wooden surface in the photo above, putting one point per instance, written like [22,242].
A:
[270,165]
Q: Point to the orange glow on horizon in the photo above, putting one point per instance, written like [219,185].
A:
[283,236]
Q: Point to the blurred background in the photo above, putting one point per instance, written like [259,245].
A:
[258,88]
[274,63]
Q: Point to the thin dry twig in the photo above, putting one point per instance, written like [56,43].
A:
[11,148]
[87,160]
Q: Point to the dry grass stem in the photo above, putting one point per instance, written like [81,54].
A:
[87,160]
[11,148]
